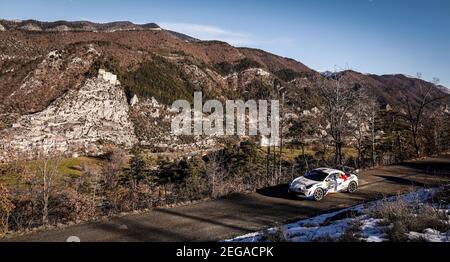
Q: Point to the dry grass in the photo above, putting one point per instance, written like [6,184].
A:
[67,168]
[403,218]
[442,197]
[352,234]
[273,236]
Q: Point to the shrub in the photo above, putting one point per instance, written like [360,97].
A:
[245,64]
[27,212]
[116,159]
[6,207]
[442,197]
[404,218]
[226,68]
[352,233]
[69,205]
[273,236]
[118,200]
[289,74]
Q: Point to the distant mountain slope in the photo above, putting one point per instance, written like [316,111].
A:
[65,26]
[125,48]
[277,64]
[40,62]
[392,89]
[178,63]
[444,89]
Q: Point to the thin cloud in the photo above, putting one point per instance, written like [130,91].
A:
[208,32]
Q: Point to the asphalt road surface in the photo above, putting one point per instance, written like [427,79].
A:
[239,214]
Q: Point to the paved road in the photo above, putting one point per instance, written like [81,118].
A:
[244,213]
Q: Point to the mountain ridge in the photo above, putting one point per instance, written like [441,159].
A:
[68,26]
[114,26]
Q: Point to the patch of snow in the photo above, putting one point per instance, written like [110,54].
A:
[249,238]
[371,230]
[306,234]
[430,235]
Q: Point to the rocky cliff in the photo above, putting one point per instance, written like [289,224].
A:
[80,122]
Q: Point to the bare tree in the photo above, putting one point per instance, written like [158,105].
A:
[268,156]
[215,175]
[282,122]
[47,172]
[373,113]
[416,108]
[300,129]
[6,207]
[93,178]
[116,159]
[338,98]
[437,134]
[136,174]
[363,123]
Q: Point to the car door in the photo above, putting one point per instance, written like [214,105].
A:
[332,183]
[341,181]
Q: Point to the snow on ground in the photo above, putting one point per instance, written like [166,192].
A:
[333,225]
[430,235]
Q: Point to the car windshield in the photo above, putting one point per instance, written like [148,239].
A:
[316,175]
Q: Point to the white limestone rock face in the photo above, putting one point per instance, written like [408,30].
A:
[81,121]
[60,28]
[134,100]
[240,80]
[2,28]
[31,27]
[108,77]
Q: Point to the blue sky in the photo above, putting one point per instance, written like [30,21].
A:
[371,36]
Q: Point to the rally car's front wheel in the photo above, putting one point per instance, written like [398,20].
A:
[352,187]
[318,194]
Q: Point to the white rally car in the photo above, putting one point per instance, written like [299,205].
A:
[323,181]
